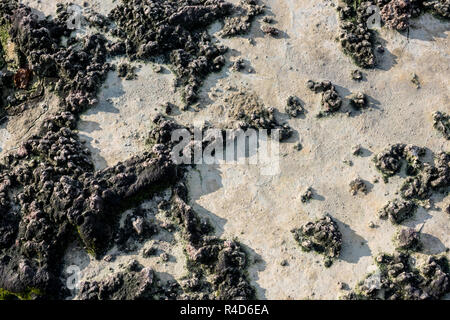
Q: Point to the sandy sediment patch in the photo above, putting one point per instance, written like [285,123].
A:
[117,127]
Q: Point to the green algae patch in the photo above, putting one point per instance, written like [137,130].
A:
[29,294]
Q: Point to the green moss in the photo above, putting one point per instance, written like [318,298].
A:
[4,39]
[3,42]
[29,294]
[4,35]
[356,4]
[91,248]
[382,265]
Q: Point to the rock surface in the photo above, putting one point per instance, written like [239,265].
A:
[86,178]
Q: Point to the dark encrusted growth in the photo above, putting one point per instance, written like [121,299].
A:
[442,123]
[50,195]
[398,210]
[321,236]
[358,41]
[428,178]
[423,178]
[389,161]
[133,283]
[272,31]
[294,107]
[358,100]
[408,239]
[440,8]
[250,112]
[355,38]
[307,195]
[396,14]
[331,100]
[398,279]
[127,71]
[175,29]
[358,186]
[357,75]
[79,69]
[241,22]
[224,262]
[238,65]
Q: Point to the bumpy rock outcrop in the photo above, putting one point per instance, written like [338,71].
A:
[133,283]
[358,100]
[396,14]
[358,186]
[355,38]
[331,100]
[408,239]
[398,279]
[246,110]
[390,160]
[177,30]
[294,107]
[438,7]
[75,72]
[322,236]
[423,178]
[441,122]
[50,194]
[358,41]
[241,21]
[398,210]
